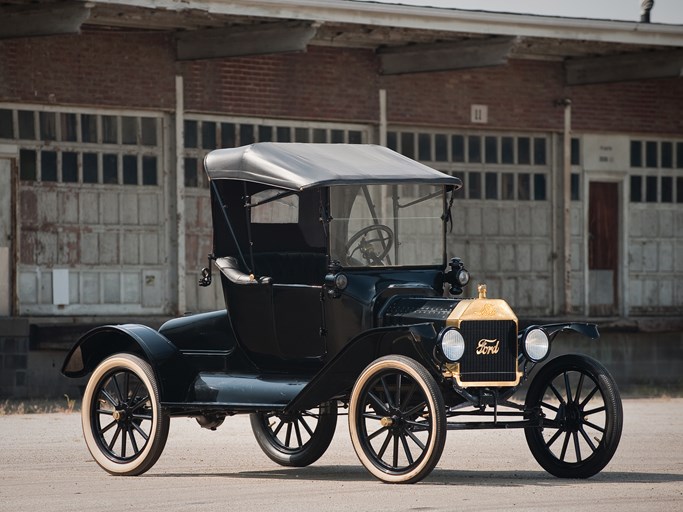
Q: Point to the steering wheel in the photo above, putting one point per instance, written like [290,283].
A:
[367,247]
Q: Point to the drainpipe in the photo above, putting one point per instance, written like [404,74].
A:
[382,117]
[566,202]
[646,6]
[180,189]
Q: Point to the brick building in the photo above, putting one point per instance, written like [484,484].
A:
[568,135]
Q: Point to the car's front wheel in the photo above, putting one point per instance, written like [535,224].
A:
[298,438]
[124,426]
[582,416]
[397,420]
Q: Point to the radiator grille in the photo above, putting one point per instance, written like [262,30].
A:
[496,341]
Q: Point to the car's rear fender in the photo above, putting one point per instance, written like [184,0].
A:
[164,358]
[338,376]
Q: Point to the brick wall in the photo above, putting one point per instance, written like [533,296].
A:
[137,70]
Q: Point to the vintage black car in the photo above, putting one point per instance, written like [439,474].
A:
[340,297]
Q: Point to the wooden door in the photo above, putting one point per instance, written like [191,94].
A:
[603,248]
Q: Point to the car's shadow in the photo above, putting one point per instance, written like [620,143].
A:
[438,476]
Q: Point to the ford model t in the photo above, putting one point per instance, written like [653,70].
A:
[340,297]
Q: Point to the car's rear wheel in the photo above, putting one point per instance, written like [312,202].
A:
[296,439]
[124,426]
[582,417]
[397,420]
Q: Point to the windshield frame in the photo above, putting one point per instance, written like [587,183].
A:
[391,214]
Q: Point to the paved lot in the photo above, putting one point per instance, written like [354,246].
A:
[45,466]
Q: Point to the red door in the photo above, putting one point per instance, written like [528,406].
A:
[603,248]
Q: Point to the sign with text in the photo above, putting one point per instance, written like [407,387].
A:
[606,153]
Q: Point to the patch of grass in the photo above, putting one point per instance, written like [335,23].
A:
[38,406]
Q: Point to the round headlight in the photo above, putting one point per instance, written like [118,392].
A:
[463,277]
[452,344]
[341,281]
[536,345]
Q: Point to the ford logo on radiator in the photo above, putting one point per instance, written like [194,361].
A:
[487,347]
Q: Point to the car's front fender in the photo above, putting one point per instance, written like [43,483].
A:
[338,376]
[164,358]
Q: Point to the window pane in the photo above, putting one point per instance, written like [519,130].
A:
[474,185]
[651,159]
[48,126]
[88,128]
[69,127]
[27,127]
[424,146]
[575,186]
[679,155]
[227,135]
[27,165]
[265,133]
[679,190]
[667,155]
[90,168]
[457,148]
[129,130]
[524,186]
[392,140]
[208,135]
[474,149]
[523,150]
[191,172]
[667,189]
[6,124]
[110,130]
[539,187]
[636,153]
[190,133]
[149,170]
[301,134]
[651,189]
[408,144]
[284,134]
[539,151]
[508,185]
[576,152]
[491,185]
[440,148]
[508,150]
[48,166]
[110,173]
[130,170]
[355,137]
[491,149]
[319,135]
[69,167]
[636,188]
[246,134]
[149,131]
[337,136]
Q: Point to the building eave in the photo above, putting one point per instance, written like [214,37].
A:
[431,18]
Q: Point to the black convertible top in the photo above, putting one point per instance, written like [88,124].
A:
[296,166]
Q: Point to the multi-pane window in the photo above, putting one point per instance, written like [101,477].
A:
[656,171]
[203,134]
[84,147]
[502,167]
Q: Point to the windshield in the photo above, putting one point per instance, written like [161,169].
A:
[387,225]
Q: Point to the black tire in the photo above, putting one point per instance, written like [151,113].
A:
[396,399]
[583,417]
[124,426]
[297,439]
